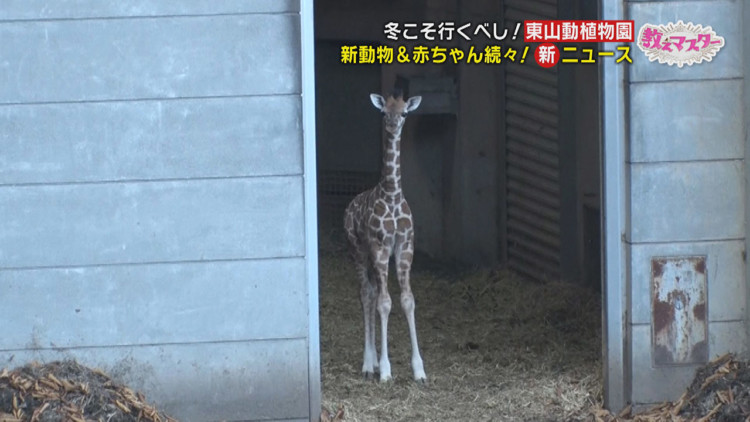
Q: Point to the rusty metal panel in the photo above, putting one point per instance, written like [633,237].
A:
[678,314]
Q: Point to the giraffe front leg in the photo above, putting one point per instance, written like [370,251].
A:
[384,308]
[407,303]
[404,258]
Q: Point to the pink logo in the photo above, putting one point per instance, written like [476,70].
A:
[679,43]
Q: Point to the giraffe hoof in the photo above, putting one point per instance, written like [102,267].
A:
[368,376]
[421,381]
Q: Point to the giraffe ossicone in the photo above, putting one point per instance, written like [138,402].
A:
[378,225]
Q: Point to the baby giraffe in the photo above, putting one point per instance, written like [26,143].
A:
[379,225]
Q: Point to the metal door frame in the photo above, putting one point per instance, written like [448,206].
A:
[311,204]
[615,268]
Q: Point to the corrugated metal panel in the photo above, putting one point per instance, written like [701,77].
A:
[532,156]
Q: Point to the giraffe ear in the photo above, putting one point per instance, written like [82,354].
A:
[378,101]
[412,103]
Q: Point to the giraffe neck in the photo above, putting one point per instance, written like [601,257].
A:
[390,173]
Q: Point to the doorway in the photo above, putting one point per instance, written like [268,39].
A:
[502,170]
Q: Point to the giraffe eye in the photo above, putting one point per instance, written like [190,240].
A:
[403,114]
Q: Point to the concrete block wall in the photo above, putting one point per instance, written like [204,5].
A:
[687,185]
[152,199]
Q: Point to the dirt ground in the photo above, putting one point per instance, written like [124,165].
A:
[495,347]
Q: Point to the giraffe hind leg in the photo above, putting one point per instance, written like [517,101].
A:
[373,313]
[380,257]
[368,294]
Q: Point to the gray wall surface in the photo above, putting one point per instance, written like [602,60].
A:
[687,186]
[153,200]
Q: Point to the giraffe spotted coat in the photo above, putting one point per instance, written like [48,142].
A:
[378,224]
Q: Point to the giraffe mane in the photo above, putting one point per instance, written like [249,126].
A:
[396,99]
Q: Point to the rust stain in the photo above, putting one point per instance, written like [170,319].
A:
[663,315]
[680,297]
[699,352]
[676,298]
[657,267]
[700,266]
[699,311]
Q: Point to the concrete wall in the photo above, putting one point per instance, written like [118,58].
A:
[153,198]
[687,186]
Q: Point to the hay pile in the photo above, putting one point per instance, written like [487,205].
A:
[67,391]
[719,392]
[495,347]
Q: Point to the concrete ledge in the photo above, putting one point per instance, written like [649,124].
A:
[688,201]
[204,382]
[727,337]
[77,9]
[115,59]
[143,140]
[683,121]
[150,304]
[147,222]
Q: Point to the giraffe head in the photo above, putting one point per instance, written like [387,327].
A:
[395,109]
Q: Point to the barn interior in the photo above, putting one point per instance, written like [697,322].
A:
[501,167]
